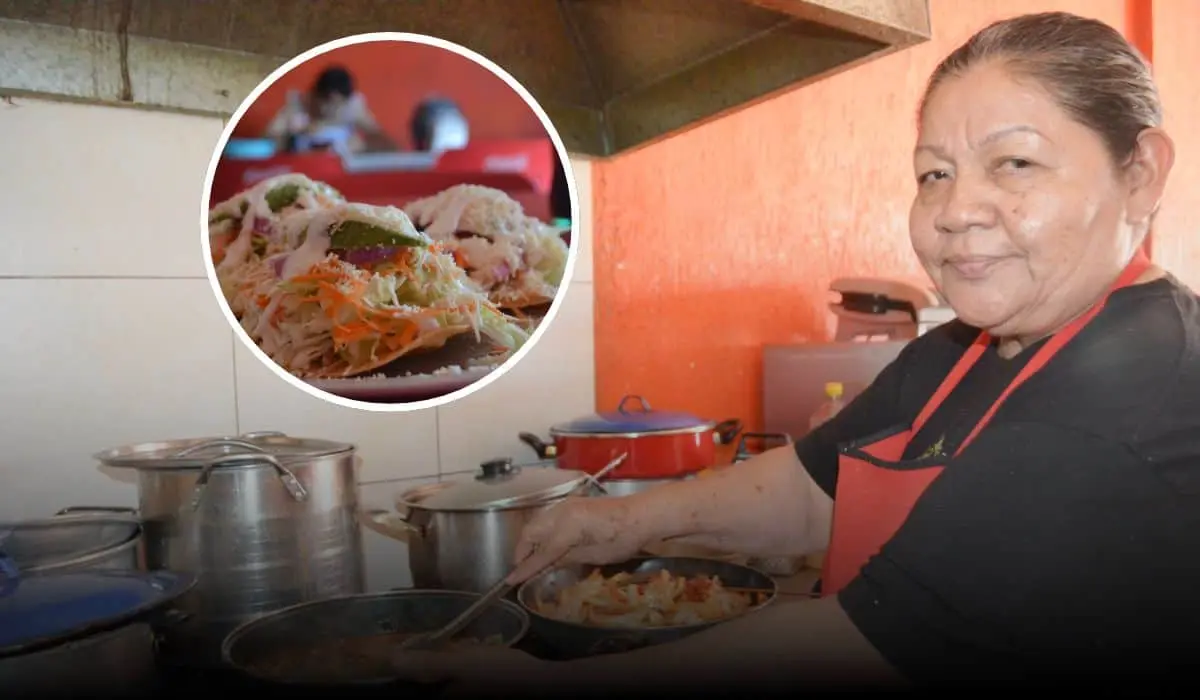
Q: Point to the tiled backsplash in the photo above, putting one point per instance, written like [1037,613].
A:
[112,334]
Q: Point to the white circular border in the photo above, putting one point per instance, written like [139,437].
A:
[559,148]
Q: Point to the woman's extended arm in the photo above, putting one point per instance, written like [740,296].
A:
[726,509]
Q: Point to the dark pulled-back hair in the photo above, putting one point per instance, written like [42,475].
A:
[334,80]
[1094,74]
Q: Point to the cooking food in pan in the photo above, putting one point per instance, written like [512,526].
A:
[347,660]
[627,601]
[517,260]
[333,289]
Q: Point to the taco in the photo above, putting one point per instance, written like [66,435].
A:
[517,260]
[357,288]
[246,228]
[245,224]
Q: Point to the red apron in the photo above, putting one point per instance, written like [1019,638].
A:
[873,500]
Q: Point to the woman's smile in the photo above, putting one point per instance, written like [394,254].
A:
[974,268]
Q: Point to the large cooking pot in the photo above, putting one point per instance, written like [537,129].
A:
[462,535]
[255,648]
[89,541]
[264,520]
[660,444]
[617,488]
[576,640]
[83,632]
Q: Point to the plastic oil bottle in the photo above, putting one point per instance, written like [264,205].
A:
[828,409]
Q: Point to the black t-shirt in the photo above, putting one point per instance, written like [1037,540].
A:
[1065,539]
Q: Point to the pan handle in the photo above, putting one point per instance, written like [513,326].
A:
[619,643]
[727,430]
[742,453]
[543,449]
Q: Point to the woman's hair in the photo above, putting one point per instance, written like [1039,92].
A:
[1101,80]
[334,80]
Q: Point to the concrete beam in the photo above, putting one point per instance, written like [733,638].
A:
[106,68]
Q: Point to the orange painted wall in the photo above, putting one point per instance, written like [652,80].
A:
[395,77]
[1176,60]
[711,244]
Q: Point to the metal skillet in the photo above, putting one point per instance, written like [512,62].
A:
[573,640]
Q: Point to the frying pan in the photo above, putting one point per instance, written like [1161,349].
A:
[402,611]
[573,640]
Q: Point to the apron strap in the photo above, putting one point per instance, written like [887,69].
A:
[1135,269]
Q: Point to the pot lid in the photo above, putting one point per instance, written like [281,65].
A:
[499,484]
[197,453]
[37,611]
[633,415]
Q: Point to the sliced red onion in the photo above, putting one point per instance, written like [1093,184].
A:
[263,226]
[277,264]
[367,257]
[501,272]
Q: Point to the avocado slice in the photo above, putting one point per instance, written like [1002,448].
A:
[230,217]
[358,234]
[282,196]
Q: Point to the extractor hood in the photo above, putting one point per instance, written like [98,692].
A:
[612,74]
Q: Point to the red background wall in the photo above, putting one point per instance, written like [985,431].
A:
[395,76]
[720,240]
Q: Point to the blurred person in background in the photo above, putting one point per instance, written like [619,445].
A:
[333,114]
[438,125]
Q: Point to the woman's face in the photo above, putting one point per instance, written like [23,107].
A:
[1021,217]
[327,107]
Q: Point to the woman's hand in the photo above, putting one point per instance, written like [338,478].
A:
[581,531]
[476,672]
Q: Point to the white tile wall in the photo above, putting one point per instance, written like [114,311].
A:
[112,334]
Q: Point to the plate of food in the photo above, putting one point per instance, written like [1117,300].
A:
[359,301]
[585,610]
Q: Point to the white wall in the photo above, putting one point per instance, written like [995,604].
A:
[111,333]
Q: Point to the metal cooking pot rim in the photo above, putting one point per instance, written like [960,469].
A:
[83,602]
[633,415]
[230,642]
[122,539]
[524,487]
[198,453]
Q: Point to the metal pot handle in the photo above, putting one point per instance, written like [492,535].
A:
[645,404]
[220,442]
[72,510]
[385,523]
[290,482]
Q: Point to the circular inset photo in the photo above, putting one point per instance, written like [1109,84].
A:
[387,221]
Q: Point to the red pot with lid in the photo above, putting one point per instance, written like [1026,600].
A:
[660,444]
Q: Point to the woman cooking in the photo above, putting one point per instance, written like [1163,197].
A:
[1017,497]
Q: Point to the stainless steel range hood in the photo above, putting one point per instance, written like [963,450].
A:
[613,74]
